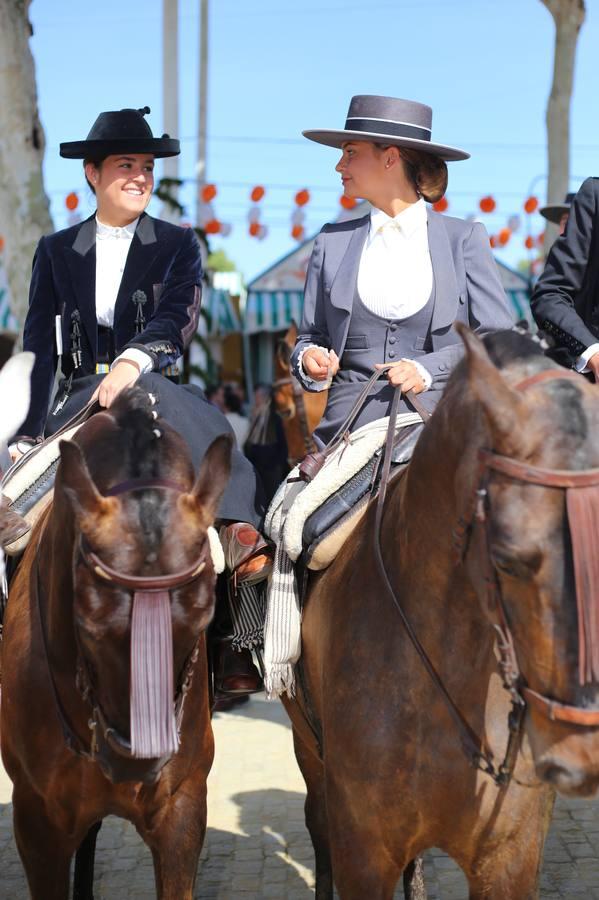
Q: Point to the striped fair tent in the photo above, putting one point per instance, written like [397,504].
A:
[272,310]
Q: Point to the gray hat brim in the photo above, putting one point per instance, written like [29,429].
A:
[338,137]
[554,212]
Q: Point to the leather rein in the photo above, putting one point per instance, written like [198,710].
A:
[102,572]
[478,515]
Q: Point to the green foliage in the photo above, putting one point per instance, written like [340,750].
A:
[218,261]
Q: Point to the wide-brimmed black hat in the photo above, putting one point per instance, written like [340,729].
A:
[121,131]
[555,211]
[387,120]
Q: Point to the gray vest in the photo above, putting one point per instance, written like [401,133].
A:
[372,339]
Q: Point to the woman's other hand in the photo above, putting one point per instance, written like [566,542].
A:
[124,374]
[406,375]
[320,365]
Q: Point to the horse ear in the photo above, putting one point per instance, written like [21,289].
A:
[501,404]
[90,507]
[212,479]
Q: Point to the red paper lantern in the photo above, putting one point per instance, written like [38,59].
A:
[208,192]
[348,202]
[541,239]
[441,205]
[254,229]
[257,193]
[1,243]
[529,242]
[487,204]
[493,241]
[71,201]
[297,232]
[504,236]
[530,205]
[302,197]
[212,226]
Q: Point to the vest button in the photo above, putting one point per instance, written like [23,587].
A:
[392,326]
[391,340]
[391,354]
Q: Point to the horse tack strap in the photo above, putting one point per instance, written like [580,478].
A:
[560,478]
[561,712]
[150,583]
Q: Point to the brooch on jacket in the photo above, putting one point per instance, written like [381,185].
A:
[139,299]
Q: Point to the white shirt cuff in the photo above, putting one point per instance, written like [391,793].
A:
[582,363]
[424,373]
[139,357]
[318,385]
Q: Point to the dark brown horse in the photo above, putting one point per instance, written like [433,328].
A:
[105,702]
[300,410]
[476,546]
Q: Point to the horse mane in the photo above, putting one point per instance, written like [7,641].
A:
[506,347]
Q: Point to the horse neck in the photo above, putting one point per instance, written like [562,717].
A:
[55,586]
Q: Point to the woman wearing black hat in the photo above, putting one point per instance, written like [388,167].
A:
[116,299]
[387,287]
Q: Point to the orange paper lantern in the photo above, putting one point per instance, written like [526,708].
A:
[441,205]
[487,204]
[302,197]
[71,201]
[208,192]
[254,229]
[493,241]
[530,205]
[348,202]
[504,236]
[1,243]
[529,242]
[541,238]
[297,232]
[257,193]
[212,226]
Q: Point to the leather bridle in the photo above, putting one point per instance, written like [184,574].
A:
[478,516]
[100,728]
[299,402]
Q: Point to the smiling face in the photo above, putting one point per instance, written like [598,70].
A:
[123,186]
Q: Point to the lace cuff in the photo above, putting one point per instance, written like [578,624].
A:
[317,385]
[424,373]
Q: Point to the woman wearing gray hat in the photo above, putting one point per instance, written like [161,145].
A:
[115,301]
[386,288]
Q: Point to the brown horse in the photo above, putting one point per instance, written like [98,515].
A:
[300,410]
[105,702]
[475,545]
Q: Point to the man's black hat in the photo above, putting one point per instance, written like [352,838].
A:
[555,211]
[121,131]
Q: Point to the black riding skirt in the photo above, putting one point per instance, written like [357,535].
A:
[186,409]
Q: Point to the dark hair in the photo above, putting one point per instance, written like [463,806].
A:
[211,389]
[97,163]
[427,173]
[232,401]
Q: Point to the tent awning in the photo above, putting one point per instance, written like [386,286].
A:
[272,310]
[222,314]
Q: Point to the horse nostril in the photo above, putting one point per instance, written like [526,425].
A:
[567,779]
[554,774]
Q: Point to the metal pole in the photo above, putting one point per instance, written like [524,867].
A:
[170,93]
[203,106]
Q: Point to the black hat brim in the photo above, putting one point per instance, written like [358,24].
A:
[555,212]
[158,147]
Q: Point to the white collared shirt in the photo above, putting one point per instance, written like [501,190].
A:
[395,278]
[112,248]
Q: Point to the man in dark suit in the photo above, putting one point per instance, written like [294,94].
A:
[565,302]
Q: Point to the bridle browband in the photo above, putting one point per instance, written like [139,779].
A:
[154,584]
[477,514]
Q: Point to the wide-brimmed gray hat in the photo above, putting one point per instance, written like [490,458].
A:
[555,211]
[387,120]
[121,131]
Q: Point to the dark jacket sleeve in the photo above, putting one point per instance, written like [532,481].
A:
[313,328]
[553,300]
[488,307]
[39,337]
[171,329]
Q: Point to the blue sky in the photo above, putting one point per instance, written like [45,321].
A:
[279,66]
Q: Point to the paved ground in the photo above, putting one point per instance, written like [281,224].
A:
[257,845]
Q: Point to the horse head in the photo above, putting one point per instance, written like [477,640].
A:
[530,543]
[142,577]
[284,395]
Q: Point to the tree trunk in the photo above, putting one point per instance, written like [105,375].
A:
[24,209]
[568,16]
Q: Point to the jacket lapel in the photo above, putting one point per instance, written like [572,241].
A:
[81,261]
[140,257]
[445,281]
[343,284]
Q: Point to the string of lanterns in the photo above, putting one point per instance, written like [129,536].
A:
[209,221]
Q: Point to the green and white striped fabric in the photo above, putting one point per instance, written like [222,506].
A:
[272,310]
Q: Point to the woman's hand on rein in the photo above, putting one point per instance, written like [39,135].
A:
[404,374]
[320,365]
[124,375]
